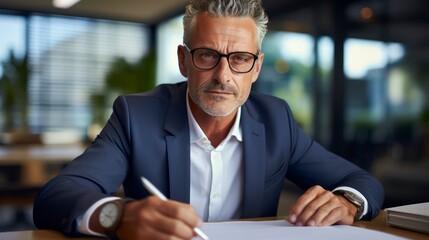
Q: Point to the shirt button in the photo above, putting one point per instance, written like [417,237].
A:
[215,196]
[216,155]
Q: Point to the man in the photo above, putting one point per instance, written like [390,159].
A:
[215,149]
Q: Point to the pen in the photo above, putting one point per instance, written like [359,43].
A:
[152,189]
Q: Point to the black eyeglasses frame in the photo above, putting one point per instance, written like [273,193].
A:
[191,51]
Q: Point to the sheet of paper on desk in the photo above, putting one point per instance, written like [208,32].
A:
[281,229]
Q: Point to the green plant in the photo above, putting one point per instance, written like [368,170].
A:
[126,77]
[425,116]
[14,92]
[123,78]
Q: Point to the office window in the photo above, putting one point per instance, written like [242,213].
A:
[371,68]
[287,71]
[385,100]
[69,59]
[169,36]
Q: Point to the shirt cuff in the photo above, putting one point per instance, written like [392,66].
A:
[365,204]
[83,221]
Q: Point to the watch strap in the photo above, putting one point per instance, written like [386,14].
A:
[355,200]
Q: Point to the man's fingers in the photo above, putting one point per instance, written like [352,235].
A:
[147,232]
[319,207]
[300,204]
[171,226]
[175,218]
[300,212]
[332,217]
[182,211]
[325,211]
[153,218]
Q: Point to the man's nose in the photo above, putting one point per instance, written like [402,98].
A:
[222,70]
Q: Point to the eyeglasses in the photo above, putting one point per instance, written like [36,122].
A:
[207,59]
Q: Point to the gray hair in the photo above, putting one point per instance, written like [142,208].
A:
[226,8]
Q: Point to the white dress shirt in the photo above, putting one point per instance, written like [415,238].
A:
[216,173]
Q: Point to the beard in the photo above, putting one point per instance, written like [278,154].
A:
[217,106]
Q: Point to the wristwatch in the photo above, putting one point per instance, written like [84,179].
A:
[110,216]
[355,200]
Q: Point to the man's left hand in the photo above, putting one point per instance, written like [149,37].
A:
[320,207]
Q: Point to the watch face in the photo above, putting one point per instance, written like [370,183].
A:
[108,215]
[353,197]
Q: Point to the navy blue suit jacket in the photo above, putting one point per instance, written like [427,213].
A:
[148,135]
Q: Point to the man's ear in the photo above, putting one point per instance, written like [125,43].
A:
[181,57]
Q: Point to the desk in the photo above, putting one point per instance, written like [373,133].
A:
[36,164]
[32,160]
[378,224]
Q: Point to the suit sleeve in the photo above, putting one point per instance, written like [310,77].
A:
[95,174]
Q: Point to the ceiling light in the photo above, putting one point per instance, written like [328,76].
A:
[64,3]
[367,14]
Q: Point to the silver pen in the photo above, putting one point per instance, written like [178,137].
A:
[152,189]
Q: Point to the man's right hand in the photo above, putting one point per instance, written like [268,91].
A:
[153,218]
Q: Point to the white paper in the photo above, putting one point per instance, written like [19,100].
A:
[281,229]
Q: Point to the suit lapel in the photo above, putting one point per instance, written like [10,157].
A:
[178,147]
[254,164]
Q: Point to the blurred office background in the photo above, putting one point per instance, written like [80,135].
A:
[355,73]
